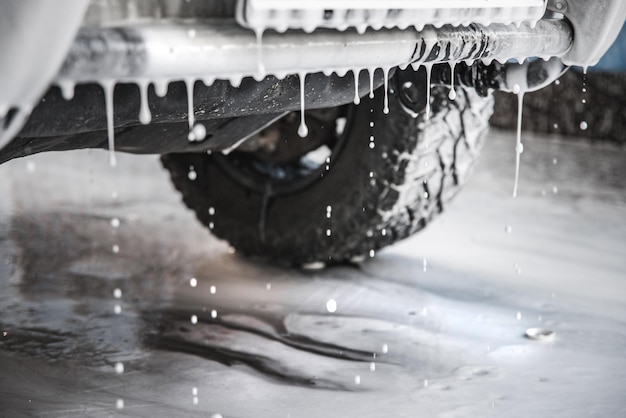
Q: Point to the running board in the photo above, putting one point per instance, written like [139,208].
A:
[221,49]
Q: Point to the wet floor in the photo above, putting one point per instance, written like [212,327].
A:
[115,301]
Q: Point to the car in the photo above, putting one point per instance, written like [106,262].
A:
[307,133]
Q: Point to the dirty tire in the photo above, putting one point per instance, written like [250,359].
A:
[377,194]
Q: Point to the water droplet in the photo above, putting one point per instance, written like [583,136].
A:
[516,89]
[213,289]
[371,124]
[554,161]
[384,232]
[425,383]
[584,125]
[331,305]
[119,367]
[328,232]
[424,311]
[357,380]
[211,211]
[199,132]
[117,293]
[194,319]
[372,253]
[117,309]
[555,126]
[116,249]
[193,282]
[539,334]
[192,175]
[191,33]
[518,316]
[115,223]
[194,391]
[195,400]
[372,366]
[213,314]
[424,264]
[268,286]
[385,349]
[555,190]
[584,101]
[119,404]
[519,148]
[557,82]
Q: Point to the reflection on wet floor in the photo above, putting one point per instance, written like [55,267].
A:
[174,325]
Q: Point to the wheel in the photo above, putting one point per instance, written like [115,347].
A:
[362,179]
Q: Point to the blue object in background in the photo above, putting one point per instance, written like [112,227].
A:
[615,58]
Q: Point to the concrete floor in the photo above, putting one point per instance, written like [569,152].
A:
[99,320]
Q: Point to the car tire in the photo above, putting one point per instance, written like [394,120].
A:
[387,177]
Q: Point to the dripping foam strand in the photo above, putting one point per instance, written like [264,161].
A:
[303,131]
[519,148]
[108,87]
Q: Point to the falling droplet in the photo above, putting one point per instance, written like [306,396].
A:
[194,319]
[119,404]
[331,305]
[303,131]
[213,314]
[385,349]
[372,366]
[518,316]
[117,309]
[211,211]
[425,383]
[192,175]
[115,223]
[117,293]
[584,125]
[213,290]
[115,249]
[193,282]
[357,380]
[189,83]
[119,367]
[424,264]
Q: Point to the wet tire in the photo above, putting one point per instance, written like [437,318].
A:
[388,177]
